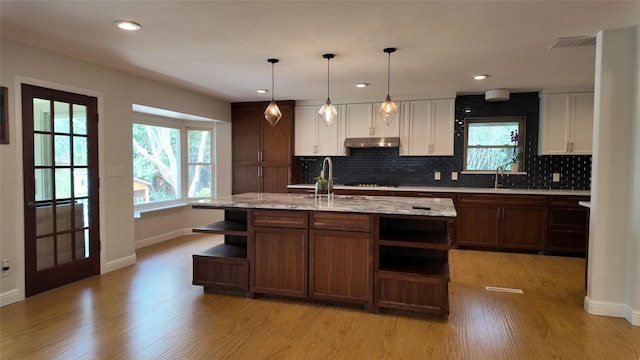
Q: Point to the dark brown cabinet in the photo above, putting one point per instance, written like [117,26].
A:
[341,257]
[262,154]
[278,252]
[412,263]
[568,225]
[502,221]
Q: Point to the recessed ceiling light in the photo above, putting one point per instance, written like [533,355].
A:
[262,91]
[127,25]
[362,85]
[480,77]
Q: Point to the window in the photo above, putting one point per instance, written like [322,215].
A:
[488,143]
[172,163]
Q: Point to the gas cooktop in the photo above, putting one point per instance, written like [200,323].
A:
[370,184]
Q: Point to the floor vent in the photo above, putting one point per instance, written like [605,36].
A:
[501,289]
[573,42]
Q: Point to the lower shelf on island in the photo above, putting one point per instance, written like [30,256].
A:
[223,267]
[408,292]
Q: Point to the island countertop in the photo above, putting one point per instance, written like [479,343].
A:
[339,203]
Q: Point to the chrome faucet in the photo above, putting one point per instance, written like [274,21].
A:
[499,174]
[326,161]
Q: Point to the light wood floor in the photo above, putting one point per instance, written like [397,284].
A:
[151,311]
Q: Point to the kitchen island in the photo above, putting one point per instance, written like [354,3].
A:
[376,251]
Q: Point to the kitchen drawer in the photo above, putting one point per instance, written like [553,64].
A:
[495,199]
[280,218]
[574,218]
[411,293]
[567,201]
[340,221]
[568,241]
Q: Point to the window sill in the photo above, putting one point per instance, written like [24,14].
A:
[487,172]
[137,214]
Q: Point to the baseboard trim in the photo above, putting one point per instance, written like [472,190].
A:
[606,308]
[120,263]
[10,297]
[162,237]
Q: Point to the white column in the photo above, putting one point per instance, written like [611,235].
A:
[614,249]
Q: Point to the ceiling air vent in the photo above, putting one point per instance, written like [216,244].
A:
[575,41]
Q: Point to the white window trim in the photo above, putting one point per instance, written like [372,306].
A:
[183,126]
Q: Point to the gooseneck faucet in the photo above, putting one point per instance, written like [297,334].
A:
[499,174]
[326,161]
[329,182]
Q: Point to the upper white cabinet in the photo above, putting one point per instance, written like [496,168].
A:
[363,120]
[312,135]
[427,128]
[566,124]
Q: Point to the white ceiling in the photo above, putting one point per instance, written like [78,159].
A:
[221,48]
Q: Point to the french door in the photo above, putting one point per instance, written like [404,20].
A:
[60,148]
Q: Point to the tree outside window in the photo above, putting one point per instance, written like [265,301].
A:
[488,143]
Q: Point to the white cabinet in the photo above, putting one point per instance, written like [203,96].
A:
[427,128]
[566,124]
[363,120]
[312,135]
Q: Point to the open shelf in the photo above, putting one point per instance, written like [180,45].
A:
[415,239]
[223,227]
[435,264]
[225,251]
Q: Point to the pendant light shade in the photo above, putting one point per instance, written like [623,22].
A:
[272,113]
[328,112]
[388,109]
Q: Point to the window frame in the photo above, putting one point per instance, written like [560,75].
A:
[183,127]
[521,120]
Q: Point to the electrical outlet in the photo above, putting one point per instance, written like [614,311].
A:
[556,177]
[454,176]
[437,175]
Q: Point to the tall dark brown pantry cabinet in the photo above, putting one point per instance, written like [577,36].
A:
[262,154]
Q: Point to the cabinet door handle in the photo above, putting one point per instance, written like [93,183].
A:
[566,147]
[259,171]
[499,212]
[571,147]
[372,131]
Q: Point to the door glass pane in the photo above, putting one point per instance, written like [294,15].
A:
[44,251]
[63,150]
[41,115]
[80,182]
[64,246]
[44,220]
[63,217]
[82,207]
[61,121]
[79,119]
[63,183]
[43,182]
[82,245]
[79,151]
[42,153]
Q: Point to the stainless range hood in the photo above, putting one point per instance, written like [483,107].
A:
[372,142]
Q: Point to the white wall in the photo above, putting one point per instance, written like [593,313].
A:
[614,242]
[116,92]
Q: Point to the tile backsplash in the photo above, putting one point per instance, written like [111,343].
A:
[384,165]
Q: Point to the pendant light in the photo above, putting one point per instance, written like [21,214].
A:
[328,112]
[272,112]
[388,108]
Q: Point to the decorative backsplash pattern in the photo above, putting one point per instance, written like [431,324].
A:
[384,165]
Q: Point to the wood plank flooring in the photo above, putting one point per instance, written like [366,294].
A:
[151,311]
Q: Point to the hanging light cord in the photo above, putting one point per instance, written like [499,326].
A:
[272,81]
[328,59]
[388,74]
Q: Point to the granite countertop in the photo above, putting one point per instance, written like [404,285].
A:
[451,189]
[340,203]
